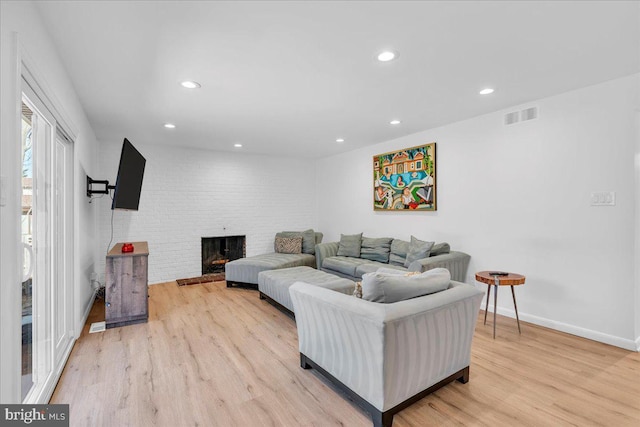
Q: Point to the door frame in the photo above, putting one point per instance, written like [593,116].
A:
[24,67]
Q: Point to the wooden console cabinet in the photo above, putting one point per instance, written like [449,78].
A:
[126,296]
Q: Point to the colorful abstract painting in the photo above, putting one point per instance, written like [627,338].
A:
[405,179]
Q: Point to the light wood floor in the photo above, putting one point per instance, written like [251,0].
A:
[215,356]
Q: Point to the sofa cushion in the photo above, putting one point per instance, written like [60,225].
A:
[344,265]
[308,239]
[246,269]
[388,288]
[350,245]
[440,249]
[418,249]
[288,245]
[376,249]
[275,283]
[372,267]
[399,250]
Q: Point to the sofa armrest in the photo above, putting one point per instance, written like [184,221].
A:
[325,250]
[428,341]
[373,349]
[456,262]
[343,335]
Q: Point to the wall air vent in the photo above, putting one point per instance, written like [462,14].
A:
[521,116]
[511,118]
[529,114]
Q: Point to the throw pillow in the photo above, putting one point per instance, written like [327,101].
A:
[308,239]
[350,245]
[388,288]
[357,292]
[440,249]
[376,249]
[399,249]
[288,245]
[418,249]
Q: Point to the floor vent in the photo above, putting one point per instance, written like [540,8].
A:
[97,327]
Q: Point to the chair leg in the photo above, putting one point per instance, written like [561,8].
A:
[382,419]
[303,362]
[465,376]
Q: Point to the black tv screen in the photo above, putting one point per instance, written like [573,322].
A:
[129,180]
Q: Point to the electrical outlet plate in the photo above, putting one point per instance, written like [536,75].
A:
[603,198]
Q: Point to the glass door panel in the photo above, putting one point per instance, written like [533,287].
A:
[37,225]
[27,225]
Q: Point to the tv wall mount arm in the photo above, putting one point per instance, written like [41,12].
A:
[101,186]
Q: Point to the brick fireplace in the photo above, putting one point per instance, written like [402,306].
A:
[217,251]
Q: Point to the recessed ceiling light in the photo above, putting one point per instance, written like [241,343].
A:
[395,122]
[169,125]
[237,145]
[387,56]
[340,140]
[486,91]
[190,85]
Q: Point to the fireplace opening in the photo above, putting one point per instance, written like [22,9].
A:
[217,251]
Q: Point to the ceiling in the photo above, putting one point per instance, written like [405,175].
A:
[289,78]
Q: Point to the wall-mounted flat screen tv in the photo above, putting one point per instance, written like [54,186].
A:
[129,180]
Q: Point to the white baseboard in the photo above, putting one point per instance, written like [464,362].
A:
[627,344]
[85,315]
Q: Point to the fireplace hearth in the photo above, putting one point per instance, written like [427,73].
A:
[217,251]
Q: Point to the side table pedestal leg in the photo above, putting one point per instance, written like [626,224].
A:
[486,305]
[516,308]
[495,308]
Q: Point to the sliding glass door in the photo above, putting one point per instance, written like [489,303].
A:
[46,284]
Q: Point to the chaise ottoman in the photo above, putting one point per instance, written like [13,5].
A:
[274,284]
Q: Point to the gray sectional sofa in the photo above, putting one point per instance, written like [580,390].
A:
[374,253]
[244,272]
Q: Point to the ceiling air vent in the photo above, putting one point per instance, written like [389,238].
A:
[529,114]
[511,118]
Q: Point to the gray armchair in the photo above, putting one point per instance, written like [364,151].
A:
[386,356]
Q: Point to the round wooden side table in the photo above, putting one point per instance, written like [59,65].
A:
[499,278]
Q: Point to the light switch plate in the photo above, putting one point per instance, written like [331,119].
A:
[603,198]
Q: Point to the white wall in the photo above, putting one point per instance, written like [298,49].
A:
[22,20]
[637,217]
[188,194]
[517,198]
